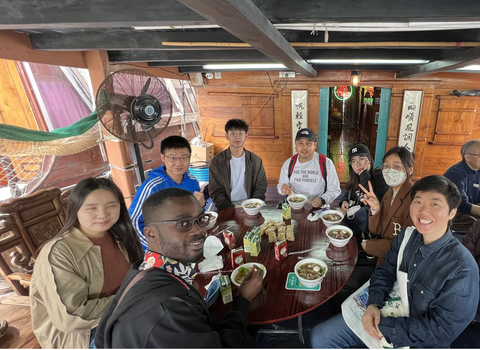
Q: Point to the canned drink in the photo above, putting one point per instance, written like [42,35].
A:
[281,250]
[229,238]
[238,257]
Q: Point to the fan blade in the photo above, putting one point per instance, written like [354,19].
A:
[146,86]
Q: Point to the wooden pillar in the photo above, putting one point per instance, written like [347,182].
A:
[97,64]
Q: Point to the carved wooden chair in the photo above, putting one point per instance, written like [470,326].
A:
[25,224]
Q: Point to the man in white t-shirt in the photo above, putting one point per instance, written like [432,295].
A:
[236,174]
[309,173]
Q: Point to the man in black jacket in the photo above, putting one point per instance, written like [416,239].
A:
[162,309]
[236,174]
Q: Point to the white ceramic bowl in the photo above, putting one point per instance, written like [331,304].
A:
[331,223]
[297,205]
[315,282]
[253,211]
[213,219]
[339,242]
[247,265]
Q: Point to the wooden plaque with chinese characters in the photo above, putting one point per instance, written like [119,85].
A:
[455,119]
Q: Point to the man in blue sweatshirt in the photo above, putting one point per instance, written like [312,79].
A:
[175,153]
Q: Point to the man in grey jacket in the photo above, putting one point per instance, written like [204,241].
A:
[236,174]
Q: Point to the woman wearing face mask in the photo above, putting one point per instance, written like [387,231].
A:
[392,214]
[78,272]
[361,171]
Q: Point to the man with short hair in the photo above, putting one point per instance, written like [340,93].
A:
[309,173]
[236,174]
[440,280]
[157,306]
[466,176]
[175,153]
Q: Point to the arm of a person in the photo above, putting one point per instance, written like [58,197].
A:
[458,179]
[66,295]
[383,278]
[378,247]
[135,210]
[217,187]
[380,187]
[475,209]
[188,327]
[333,184]
[261,182]
[283,177]
[472,240]
[448,315]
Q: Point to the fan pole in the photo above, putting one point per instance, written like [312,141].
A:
[137,159]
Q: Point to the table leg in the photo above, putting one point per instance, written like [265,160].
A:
[298,331]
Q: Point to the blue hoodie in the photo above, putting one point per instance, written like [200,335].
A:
[157,180]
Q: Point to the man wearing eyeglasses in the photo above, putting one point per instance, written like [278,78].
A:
[236,174]
[466,176]
[175,153]
[161,308]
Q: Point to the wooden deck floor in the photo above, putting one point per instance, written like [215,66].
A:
[19,334]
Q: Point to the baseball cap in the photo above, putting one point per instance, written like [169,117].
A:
[306,133]
[358,150]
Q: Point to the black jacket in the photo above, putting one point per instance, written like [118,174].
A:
[378,184]
[219,178]
[163,311]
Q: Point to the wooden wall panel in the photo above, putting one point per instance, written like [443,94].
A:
[220,100]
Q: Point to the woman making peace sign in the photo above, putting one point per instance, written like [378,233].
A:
[392,215]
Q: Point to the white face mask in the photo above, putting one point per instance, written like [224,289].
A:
[352,210]
[393,177]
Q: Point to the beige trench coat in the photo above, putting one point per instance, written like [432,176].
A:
[67,280]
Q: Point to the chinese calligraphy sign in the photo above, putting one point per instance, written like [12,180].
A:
[412,101]
[299,113]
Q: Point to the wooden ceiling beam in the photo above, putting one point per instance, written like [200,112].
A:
[243,19]
[452,62]
[16,46]
[58,14]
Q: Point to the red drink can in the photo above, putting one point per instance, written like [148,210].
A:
[281,250]
[238,257]
[229,238]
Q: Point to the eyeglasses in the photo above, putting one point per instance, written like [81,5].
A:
[396,167]
[186,224]
[473,154]
[359,161]
[181,159]
[236,133]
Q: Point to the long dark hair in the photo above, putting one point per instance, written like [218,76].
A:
[122,230]
[354,178]
[405,156]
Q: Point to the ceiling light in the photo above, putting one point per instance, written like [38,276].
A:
[238,66]
[355,78]
[365,61]
[472,67]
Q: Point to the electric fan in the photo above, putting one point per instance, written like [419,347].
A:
[134,106]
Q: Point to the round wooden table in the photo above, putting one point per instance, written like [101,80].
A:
[277,303]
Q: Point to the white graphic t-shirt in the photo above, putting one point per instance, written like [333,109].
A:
[307,179]
[237,179]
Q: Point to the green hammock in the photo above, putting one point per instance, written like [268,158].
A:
[15,133]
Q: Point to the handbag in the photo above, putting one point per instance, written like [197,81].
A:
[355,305]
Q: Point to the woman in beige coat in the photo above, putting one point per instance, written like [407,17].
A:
[78,272]
[392,215]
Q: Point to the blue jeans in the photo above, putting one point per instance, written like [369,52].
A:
[334,334]
[92,338]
